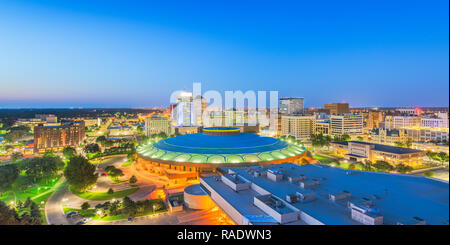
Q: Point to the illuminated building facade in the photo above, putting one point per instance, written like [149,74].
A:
[323,127]
[55,138]
[301,127]
[157,124]
[184,157]
[337,108]
[346,124]
[388,136]
[358,151]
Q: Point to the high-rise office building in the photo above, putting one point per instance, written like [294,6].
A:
[292,105]
[55,138]
[346,124]
[182,111]
[337,108]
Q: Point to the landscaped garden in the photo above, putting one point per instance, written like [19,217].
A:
[120,209]
[103,196]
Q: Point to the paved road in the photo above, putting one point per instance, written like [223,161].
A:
[53,208]
[439,173]
[185,217]
[62,196]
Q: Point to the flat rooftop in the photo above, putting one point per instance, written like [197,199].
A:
[242,201]
[399,198]
[380,147]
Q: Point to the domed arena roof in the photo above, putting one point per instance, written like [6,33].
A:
[225,146]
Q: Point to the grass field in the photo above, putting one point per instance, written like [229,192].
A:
[127,163]
[103,196]
[22,189]
[324,159]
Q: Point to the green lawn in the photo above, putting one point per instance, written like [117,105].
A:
[127,163]
[324,159]
[39,192]
[22,189]
[103,196]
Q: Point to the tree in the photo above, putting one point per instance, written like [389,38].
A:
[133,179]
[8,216]
[16,156]
[383,166]
[22,214]
[101,140]
[359,138]
[85,206]
[80,174]
[428,173]
[8,175]
[69,152]
[398,144]
[115,173]
[408,143]
[42,167]
[92,148]
[15,133]
[132,156]
[367,165]
[129,207]
[343,137]
[110,191]
[443,157]
[402,168]
[320,140]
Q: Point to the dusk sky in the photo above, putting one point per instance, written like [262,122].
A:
[79,53]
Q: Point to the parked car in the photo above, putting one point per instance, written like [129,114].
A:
[80,223]
[71,213]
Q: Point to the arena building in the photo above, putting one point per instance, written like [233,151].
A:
[184,157]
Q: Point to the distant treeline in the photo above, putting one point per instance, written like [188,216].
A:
[14,114]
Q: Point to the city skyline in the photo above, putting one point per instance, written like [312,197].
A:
[119,55]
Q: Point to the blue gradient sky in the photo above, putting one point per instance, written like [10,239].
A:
[135,53]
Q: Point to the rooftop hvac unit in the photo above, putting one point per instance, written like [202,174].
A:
[291,198]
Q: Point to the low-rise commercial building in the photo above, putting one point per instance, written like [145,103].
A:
[322,195]
[157,124]
[323,127]
[358,151]
[428,134]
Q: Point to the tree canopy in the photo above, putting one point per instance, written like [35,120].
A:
[92,148]
[8,174]
[41,167]
[69,152]
[80,173]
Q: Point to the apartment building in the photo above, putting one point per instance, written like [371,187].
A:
[301,127]
[346,124]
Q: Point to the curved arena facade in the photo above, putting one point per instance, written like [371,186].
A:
[188,155]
